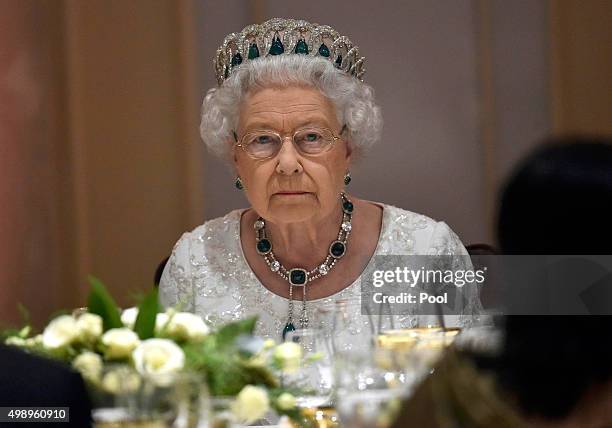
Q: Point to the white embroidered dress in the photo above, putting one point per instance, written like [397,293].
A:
[208,274]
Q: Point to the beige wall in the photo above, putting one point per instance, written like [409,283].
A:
[98,134]
[582,66]
[131,135]
[463,86]
[35,219]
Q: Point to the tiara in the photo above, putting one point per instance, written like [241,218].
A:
[280,36]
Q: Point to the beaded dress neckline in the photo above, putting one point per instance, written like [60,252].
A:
[240,213]
[209,275]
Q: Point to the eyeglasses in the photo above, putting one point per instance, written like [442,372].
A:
[311,141]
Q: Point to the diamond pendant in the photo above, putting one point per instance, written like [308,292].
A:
[299,277]
[288,327]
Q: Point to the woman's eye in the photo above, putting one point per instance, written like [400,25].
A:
[311,137]
[264,139]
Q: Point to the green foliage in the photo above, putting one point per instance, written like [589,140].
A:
[144,326]
[231,358]
[228,370]
[294,414]
[25,332]
[101,303]
[6,332]
[228,334]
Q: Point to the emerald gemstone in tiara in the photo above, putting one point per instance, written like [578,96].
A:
[236,59]
[301,47]
[324,50]
[277,47]
[253,51]
[304,38]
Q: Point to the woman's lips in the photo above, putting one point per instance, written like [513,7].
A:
[293,193]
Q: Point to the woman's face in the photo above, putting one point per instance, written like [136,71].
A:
[291,187]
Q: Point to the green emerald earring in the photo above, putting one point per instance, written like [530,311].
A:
[238,183]
[347,178]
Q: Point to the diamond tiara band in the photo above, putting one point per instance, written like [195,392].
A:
[279,36]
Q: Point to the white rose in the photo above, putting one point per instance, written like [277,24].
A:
[252,403]
[34,341]
[186,326]
[120,342]
[15,341]
[160,321]
[288,355]
[158,358]
[89,326]
[121,380]
[285,401]
[60,332]
[89,364]
[128,317]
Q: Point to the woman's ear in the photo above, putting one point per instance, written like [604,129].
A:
[231,143]
[349,150]
[349,145]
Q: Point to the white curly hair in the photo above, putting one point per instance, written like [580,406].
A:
[353,99]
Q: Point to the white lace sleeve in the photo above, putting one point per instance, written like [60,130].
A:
[176,284]
[445,242]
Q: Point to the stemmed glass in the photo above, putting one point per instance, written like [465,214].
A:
[352,333]
[369,392]
[313,377]
[377,364]
[124,398]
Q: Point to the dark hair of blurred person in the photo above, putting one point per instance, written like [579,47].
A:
[27,380]
[559,201]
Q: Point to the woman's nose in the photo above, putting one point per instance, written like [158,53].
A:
[288,159]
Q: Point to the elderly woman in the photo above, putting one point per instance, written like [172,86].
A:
[290,114]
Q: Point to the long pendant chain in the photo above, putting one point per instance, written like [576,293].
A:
[300,277]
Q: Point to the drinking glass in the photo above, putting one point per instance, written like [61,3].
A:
[352,332]
[219,414]
[368,395]
[313,377]
[122,398]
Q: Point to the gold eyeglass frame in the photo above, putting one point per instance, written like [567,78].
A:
[283,137]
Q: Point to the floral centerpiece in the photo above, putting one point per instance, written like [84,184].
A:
[156,343]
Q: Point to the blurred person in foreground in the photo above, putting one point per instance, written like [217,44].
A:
[28,380]
[551,371]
